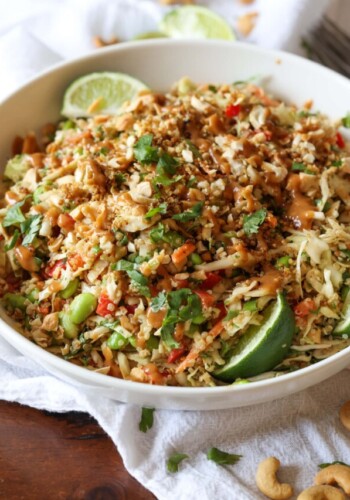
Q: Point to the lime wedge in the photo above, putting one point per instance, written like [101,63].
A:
[150,34]
[192,21]
[343,326]
[262,347]
[99,93]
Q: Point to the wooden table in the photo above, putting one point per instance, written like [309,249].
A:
[52,456]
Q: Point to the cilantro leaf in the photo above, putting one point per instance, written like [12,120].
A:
[166,164]
[337,163]
[174,460]
[167,332]
[166,181]
[159,234]
[252,222]
[140,282]
[159,302]
[144,151]
[346,121]
[146,421]
[13,241]
[119,178]
[221,457]
[323,466]
[14,215]
[298,167]
[192,214]
[32,229]
[161,209]
[193,148]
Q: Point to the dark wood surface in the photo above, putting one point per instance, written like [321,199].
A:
[53,456]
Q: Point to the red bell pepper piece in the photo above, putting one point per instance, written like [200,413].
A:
[176,354]
[210,281]
[104,305]
[232,110]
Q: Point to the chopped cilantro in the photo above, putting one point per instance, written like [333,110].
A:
[166,164]
[96,249]
[192,214]
[140,282]
[13,241]
[195,151]
[159,302]
[161,209]
[212,88]
[144,151]
[159,234]
[346,121]
[323,466]
[104,151]
[119,178]
[146,421]
[183,305]
[164,180]
[14,215]
[298,167]
[252,222]
[174,461]
[337,163]
[221,457]
[32,229]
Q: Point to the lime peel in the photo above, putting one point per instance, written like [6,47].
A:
[98,93]
[193,21]
[262,347]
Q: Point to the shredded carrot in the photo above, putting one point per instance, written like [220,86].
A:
[195,352]
[180,255]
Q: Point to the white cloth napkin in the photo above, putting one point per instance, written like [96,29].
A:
[302,430]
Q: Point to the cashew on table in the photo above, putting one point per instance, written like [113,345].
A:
[267,481]
[321,492]
[335,474]
[344,415]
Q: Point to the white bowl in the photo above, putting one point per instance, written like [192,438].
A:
[159,64]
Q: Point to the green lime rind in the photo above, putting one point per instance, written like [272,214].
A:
[343,326]
[262,347]
[149,35]
[109,90]
[193,21]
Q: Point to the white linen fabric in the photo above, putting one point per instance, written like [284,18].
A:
[302,430]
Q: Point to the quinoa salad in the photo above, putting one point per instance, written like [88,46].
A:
[145,245]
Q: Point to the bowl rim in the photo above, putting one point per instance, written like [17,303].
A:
[77,373]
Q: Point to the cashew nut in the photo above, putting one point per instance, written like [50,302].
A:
[344,415]
[335,474]
[267,482]
[321,493]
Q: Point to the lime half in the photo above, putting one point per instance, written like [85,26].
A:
[99,93]
[192,21]
[262,347]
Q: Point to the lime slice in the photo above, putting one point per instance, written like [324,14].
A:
[343,326]
[150,34]
[98,93]
[262,347]
[192,21]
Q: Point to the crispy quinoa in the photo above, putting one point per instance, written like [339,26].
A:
[181,218]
